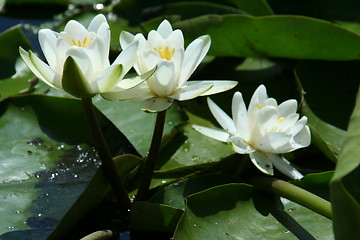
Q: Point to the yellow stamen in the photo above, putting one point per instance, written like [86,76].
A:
[259,106]
[165,52]
[85,42]
[280,120]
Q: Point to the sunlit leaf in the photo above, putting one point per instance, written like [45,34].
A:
[274,36]
[236,211]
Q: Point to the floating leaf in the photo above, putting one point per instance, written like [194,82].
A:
[345,194]
[236,211]
[274,36]
[154,217]
[45,162]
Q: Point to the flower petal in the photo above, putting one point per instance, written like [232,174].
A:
[125,39]
[165,29]
[40,69]
[270,102]
[127,57]
[155,39]
[74,28]
[219,86]
[163,82]
[194,54]
[109,78]
[298,126]
[176,39]
[83,61]
[262,162]
[240,146]
[212,133]
[240,116]
[191,90]
[96,22]
[284,167]
[267,117]
[132,82]
[47,40]
[98,53]
[156,104]
[222,118]
[302,139]
[139,93]
[257,98]
[285,124]
[272,142]
[288,107]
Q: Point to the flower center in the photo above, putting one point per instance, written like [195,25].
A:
[84,43]
[259,106]
[280,120]
[165,52]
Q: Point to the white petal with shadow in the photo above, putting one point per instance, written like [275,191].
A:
[191,90]
[156,104]
[262,162]
[284,167]
[222,118]
[212,133]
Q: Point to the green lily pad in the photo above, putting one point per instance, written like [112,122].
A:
[135,124]
[10,40]
[274,36]
[345,194]
[96,191]
[237,211]
[153,217]
[254,7]
[45,162]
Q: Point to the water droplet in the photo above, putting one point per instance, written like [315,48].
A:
[286,231]
[163,181]
[98,6]
[196,159]
[61,147]
[39,215]
[112,17]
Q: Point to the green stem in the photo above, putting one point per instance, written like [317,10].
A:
[294,193]
[151,160]
[105,156]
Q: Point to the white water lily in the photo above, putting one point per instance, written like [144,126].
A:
[78,59]
[164,49]
[264,130]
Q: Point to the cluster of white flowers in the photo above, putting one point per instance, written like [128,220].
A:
[78,63]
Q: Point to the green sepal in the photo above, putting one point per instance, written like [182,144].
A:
[110,78]
[73,80]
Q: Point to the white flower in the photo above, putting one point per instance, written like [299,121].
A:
[78,59]
[164,49]
[263,131]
